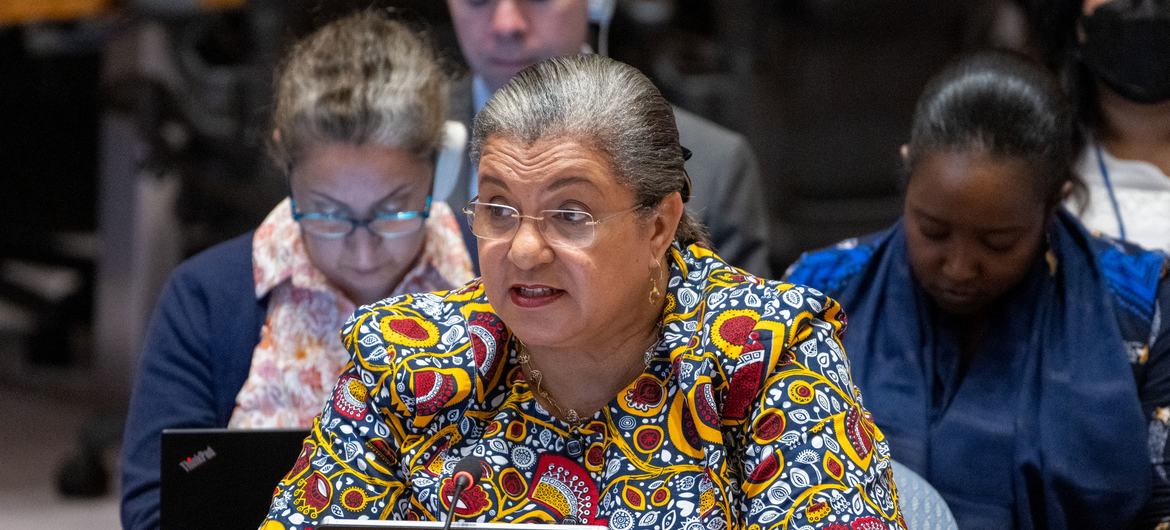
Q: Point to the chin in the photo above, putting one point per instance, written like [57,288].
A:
[367,296]
[961,309]
[535,331]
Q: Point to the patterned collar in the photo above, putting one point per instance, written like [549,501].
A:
[278,253]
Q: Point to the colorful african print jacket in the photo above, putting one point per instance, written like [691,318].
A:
[745,418]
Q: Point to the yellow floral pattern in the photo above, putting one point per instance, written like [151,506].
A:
[745,418]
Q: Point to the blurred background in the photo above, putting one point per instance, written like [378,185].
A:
[132,136]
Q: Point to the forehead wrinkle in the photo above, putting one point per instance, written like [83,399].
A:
[535,162]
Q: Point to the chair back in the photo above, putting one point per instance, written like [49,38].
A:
[922,506]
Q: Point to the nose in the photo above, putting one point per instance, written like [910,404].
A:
[529,249]
[508,20]
[961,265]
[363,248]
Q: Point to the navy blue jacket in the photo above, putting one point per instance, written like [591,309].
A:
[1058,420]
[196,355]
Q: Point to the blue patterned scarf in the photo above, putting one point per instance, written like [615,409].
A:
[1043,429]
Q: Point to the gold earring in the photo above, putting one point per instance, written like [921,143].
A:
[654,292]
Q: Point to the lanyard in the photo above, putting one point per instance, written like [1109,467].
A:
[1109,188]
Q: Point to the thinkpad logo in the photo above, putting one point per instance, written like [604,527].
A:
[198,459]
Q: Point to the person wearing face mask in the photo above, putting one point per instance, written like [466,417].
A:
[245,334]
[500,37]
[1114,56]
[1016,362]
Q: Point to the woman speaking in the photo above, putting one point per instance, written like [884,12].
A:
[608,368]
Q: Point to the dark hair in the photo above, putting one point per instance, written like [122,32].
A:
[1053,24]
[1004,105]
[604,103]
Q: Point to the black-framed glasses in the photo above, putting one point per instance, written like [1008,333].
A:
[385,224]
[562,228]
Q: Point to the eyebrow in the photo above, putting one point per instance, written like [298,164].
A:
[569,181]
[488,179]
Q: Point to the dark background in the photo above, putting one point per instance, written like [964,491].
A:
[132,136]
[822,89]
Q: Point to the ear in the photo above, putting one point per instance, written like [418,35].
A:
[904,152]
[276,135]
[665,222]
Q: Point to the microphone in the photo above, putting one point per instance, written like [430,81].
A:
[467,472]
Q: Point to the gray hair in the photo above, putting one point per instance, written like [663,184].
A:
[607,105]
[362,79]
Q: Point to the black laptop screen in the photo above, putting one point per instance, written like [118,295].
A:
[221,478]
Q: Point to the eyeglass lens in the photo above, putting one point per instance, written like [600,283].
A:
[339,227]
[560,227]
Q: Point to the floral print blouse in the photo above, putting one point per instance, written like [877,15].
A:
[298,357]
[745,418]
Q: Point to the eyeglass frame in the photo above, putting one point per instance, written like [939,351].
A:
[540,224]
[405,215]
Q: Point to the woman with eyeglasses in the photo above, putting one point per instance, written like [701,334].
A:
[245,334]
[608,368]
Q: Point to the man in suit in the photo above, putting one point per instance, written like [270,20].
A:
[501,37]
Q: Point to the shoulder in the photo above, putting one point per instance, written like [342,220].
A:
[831,269]
[769,314]
[231,256]
[209,305]
[726,289]
[401,325]
[709,140]
[741,311]
[750,329]
[206,325]
[428,351]
[211,298]
[222,270]
[1134,275]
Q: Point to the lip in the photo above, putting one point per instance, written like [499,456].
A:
[531,296]
[366,275]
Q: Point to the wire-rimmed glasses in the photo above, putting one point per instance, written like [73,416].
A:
[563,228]
[385,224]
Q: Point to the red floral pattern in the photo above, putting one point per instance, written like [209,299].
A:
[707,437]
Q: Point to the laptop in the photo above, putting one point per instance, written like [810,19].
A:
[223,478]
